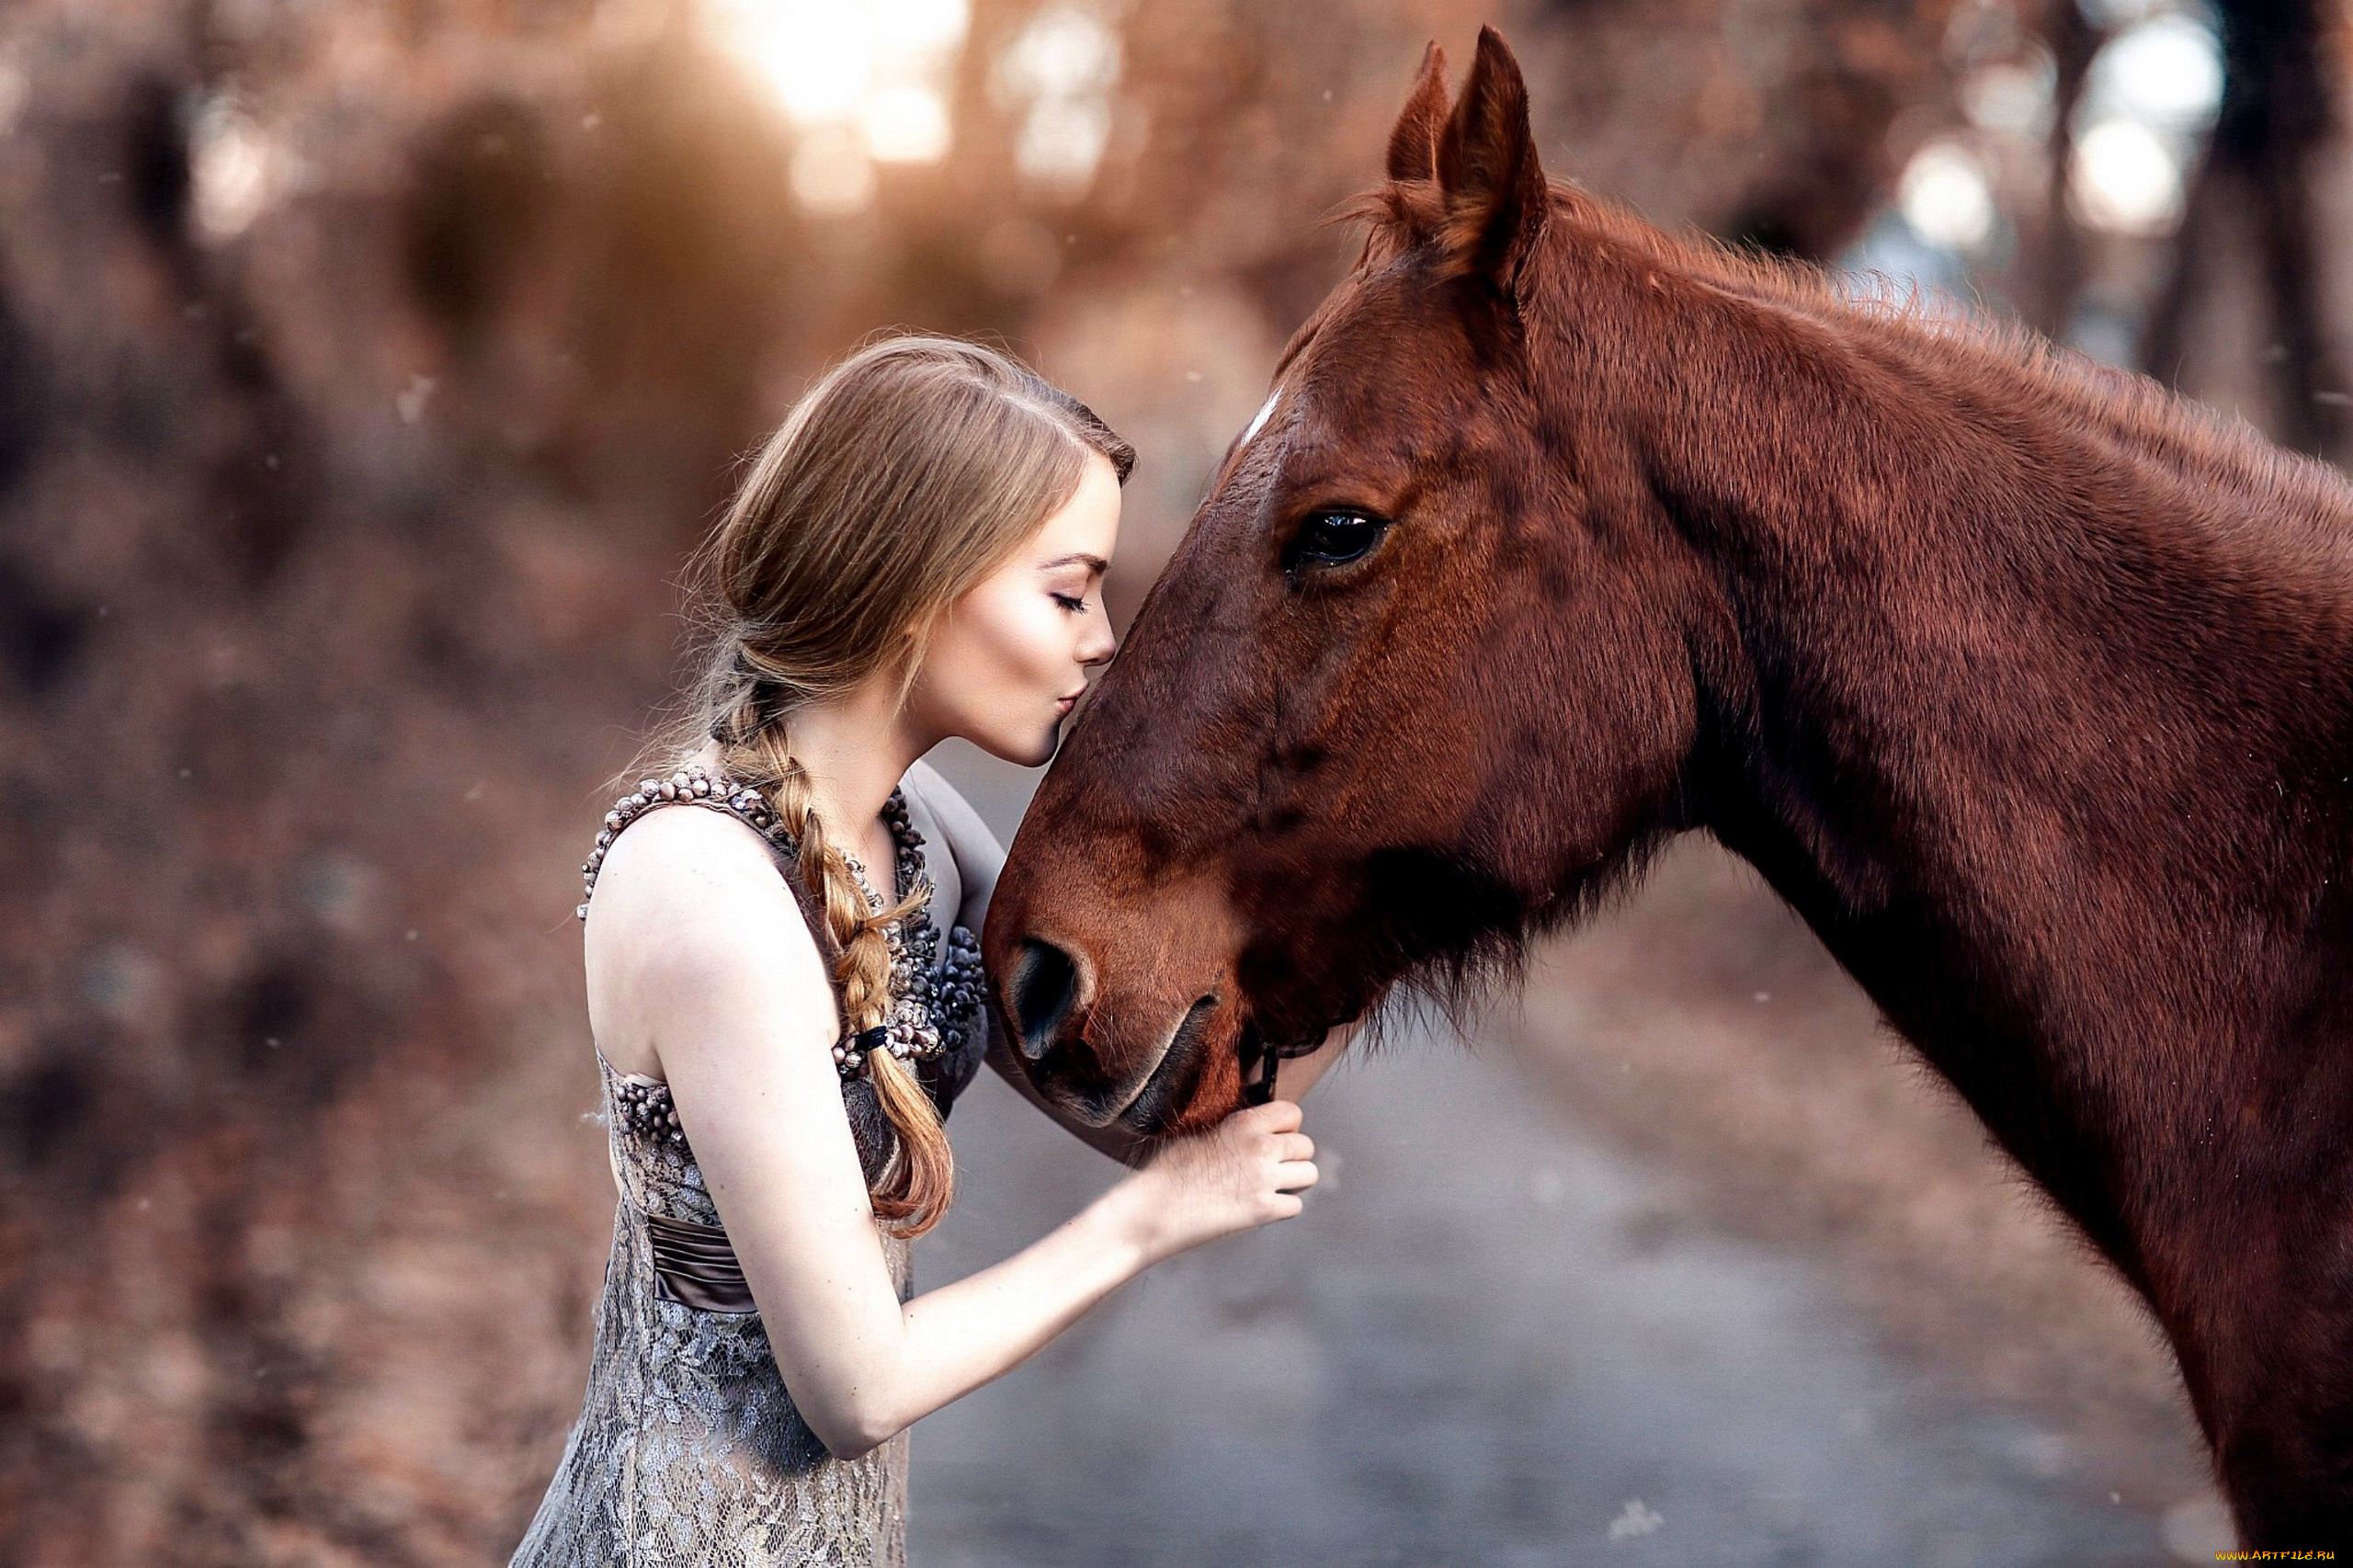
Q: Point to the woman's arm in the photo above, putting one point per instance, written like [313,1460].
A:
[698,950]
[1247,1172]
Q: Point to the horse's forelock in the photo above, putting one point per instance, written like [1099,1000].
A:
[1398,215]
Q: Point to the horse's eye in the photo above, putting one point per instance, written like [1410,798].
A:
[1333,539]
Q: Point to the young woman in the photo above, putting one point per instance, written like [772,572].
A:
[917,553]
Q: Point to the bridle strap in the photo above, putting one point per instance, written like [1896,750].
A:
[1259,1061]
[1258,1076]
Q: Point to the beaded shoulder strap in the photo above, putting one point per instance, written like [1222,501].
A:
[692,785]
[927,1016]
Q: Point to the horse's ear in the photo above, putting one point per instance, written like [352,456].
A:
[1495,196]
[1412,146]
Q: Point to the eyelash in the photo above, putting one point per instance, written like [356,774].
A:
[1077,607]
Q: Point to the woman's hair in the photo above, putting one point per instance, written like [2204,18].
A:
[906,474]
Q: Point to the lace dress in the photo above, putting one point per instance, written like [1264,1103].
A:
[689,1449]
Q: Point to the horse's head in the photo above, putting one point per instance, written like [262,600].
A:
[1398,697]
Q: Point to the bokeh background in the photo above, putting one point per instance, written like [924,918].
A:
[365,372]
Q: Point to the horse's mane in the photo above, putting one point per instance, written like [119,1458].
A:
[2006,360]
[2127,418]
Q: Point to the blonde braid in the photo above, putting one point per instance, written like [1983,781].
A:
[915,1190]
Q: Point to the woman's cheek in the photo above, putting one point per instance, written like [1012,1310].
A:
[1022,664]
[1050,645]
[1028,652]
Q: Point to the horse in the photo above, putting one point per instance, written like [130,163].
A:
[2026,684]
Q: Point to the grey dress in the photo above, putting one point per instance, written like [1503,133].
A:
[688,1450]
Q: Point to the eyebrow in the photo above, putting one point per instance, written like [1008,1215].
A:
[1092,563]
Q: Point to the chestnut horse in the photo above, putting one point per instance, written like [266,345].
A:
[2029,685]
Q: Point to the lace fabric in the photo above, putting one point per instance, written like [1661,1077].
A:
[689,1449]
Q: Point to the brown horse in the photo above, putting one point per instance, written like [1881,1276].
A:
[2030,687]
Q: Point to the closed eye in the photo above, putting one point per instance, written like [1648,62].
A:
[1333,537]
[1075,605]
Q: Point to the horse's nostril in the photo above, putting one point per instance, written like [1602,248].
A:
[1045,981]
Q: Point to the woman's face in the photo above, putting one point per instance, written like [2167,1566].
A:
[1008,660]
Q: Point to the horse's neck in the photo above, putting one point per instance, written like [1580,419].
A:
[2024,722]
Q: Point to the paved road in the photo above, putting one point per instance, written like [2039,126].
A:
[1490,1341]
[1482,1347]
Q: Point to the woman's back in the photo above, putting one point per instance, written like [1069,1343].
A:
[688,1449]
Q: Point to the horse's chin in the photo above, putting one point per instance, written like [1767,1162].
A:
[1174,1094]
[1185,1092]
[1170,1102]
[1200,1080]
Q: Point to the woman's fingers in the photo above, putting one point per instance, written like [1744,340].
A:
[1295,1176]
[1274,1116]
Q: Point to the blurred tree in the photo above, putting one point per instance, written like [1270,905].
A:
[2053,277]
[2254,193]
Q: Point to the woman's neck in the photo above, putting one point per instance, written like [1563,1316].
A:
[855,748]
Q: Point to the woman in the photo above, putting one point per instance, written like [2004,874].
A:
[917,553]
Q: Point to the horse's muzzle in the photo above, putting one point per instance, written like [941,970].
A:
[1050,1005]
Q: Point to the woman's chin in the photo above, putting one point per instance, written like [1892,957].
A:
[1031,751]
[1042,752]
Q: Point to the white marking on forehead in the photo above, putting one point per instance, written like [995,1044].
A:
[1258,420]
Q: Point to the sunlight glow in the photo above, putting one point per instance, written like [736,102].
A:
[235,172]
[832,172]
[1946,197]
[1067,50]
[905,125]
[2011,98]
[817,56]
[2126,179]
[919,27]
[864,81]
[2166,73]
[1061,142]
[2151,98]
[1058,75]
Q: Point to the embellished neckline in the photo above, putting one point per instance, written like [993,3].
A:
[928,1013]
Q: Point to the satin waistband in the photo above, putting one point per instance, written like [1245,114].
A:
[695,1265]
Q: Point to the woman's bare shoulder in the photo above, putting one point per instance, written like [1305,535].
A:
[691,913]
[676,858]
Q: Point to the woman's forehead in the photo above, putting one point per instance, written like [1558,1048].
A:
[1088,525]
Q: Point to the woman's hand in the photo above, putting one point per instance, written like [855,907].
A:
[1247,1171]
